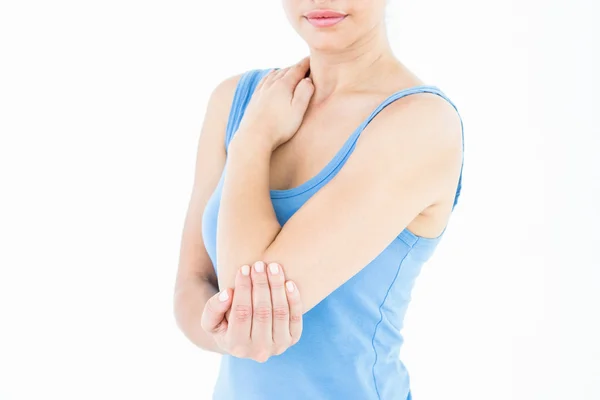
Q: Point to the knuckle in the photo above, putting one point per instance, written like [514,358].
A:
[243,284]
[281,313]
[277,282]
[260,282]
[220,329]
[277,286]
[296,318]
[263,313]
[242,313]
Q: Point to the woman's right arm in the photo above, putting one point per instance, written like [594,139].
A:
[196,280]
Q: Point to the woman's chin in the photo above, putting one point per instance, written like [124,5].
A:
[325,44]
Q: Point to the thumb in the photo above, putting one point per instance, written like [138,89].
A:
[213,317]
[302,94]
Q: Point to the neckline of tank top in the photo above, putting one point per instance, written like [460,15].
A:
[343,151]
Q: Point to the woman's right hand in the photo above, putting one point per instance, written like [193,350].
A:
[259,318]
[278,104]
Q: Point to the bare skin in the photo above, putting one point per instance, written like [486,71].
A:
[407,160]
[196,281]
[265,317]
[199,311]
[352,70]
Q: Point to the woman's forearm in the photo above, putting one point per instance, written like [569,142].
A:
[247,221]
[189,303]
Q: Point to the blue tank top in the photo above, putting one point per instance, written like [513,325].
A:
[351,340]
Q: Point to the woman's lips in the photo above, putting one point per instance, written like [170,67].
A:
[324,18]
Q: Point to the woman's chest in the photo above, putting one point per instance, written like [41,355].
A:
[323,132]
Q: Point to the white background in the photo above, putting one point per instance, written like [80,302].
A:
[101,105]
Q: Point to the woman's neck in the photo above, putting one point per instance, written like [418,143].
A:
[343,71]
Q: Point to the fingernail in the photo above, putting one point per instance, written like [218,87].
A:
[290,286]
[246,270]
[223,296]
[274,268]
[259,266]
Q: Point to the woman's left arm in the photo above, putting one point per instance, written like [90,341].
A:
[408,157]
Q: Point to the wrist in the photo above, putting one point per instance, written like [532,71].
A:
[253,141]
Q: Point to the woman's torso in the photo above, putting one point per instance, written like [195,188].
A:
[328,125]
[350,344]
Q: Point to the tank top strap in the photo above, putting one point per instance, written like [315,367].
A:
[250,79]
[243,93]
[351,143]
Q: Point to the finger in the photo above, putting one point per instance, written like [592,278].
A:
[213,318]
[272,77]
[281,72]
[262,315]
[302,94]
[281,308]
[296,310]
[265,78]
[275,77]
[298,71]
[240,319]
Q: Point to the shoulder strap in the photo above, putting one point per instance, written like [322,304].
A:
[435,90]
[403,93]
[243,93]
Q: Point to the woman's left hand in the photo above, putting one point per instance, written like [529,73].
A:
[278,105]
[264,318]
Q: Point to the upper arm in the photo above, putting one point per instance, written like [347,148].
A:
[407,159]
[194,261]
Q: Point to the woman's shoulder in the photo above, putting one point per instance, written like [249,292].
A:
[229,97]
[249,79]
[224,91]
[244,75]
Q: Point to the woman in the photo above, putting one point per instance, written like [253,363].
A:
[333,181]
